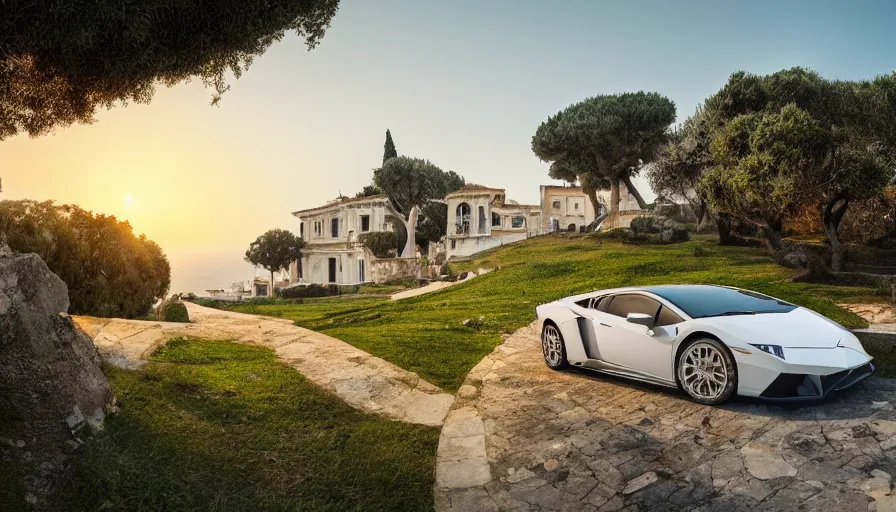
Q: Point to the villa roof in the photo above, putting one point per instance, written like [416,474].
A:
[474,188]
[342,201]
[561,187]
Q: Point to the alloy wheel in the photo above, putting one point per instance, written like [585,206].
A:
[552,346]
[704,372]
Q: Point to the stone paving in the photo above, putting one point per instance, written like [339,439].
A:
[363,381]
[523,437]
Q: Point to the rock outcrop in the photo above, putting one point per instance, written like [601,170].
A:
[52,390]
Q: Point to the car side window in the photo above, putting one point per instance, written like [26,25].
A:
[626,303]
[667,317]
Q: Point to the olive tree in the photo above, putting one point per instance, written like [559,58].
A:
[605,139]
[275,250]
[410,184]
[790,139]
[61,60]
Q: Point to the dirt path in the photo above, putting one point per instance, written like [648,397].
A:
[365,382]
[436,286]
[523,437]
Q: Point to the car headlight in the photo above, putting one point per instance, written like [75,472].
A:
[774,350]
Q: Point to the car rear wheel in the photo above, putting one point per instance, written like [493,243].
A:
[552,347]
[707,372]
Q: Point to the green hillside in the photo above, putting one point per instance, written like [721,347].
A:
[426,334]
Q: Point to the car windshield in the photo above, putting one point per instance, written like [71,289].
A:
[701,301]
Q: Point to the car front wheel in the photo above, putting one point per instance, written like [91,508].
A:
[552,347]
[707,372]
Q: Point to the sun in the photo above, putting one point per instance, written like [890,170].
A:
[128,200]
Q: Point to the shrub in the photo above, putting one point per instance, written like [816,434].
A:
[303,292]
[383,244]
[109,271]
[643,225]
[475,324]
[699,250]
[172,310]
[673,232]
[446,270]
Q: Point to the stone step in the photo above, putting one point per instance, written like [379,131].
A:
[879,333]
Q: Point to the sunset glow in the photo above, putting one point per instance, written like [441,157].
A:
[300,127]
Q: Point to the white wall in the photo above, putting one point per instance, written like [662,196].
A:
[463,247]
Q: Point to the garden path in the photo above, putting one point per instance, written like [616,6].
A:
[363,381]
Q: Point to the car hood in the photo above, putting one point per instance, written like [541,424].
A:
[800,328]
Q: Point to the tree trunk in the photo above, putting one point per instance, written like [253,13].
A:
[701,213]
[631,188]
[411,225]
[614,196]
[595,204]
[272,284]
[724,225]
[831,218]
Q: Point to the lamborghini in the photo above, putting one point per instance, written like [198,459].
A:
[712,342]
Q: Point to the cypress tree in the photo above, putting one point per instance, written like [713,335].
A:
[389,148]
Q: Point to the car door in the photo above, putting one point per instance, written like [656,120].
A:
[629,345]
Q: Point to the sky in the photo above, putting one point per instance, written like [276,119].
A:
[463,84]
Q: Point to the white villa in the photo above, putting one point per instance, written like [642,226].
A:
[480,218]
[333,254]
[569,208]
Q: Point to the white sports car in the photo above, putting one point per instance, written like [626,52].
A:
[710,341]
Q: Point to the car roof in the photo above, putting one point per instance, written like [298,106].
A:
[658,290]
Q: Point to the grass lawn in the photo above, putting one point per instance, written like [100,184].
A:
[212,425]
[426,334]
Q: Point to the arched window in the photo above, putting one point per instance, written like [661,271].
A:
[463,219]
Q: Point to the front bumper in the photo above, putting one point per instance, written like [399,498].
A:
[805,374]
[796,386]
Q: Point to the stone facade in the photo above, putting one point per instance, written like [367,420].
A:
[480,218]
[569,208]
[333,254]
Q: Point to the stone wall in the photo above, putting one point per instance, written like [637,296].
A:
[623,219]
[388,269]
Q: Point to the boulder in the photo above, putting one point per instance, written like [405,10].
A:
[52,389]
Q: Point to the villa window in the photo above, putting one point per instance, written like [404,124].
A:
[555,205]
[365,223]
[576,206]
[518,221]
[463,219]
[334,227]
[301,230]
[496,220]
[483,228]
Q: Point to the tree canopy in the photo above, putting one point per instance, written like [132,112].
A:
[680,163]
[109,271]
[410,184]
[61,60]
[605,139]
[275,250]
[792,139]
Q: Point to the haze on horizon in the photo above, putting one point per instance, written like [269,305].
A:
[464,85]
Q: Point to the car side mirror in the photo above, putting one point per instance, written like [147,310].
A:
[640,319]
